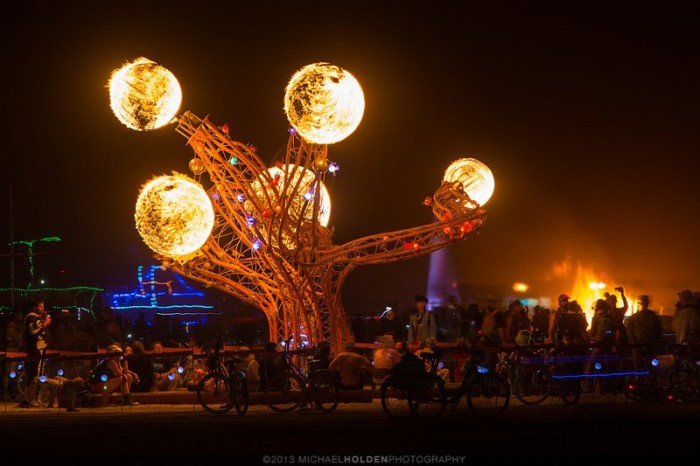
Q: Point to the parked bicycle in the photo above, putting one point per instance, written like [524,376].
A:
[223,387]
[486,392]
[544,375]
[294,387]
[413,390]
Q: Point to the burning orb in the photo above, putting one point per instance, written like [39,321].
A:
[144,95]
[474,177]
[324,103]
[174,215]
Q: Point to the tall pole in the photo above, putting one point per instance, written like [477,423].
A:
[12,254]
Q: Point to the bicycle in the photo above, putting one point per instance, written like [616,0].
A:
[411,390]
[41,396]
[292,387]
[222,388]
[487,393]
[543,376]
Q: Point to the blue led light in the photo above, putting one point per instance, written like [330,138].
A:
[654,362]
[482,369]
[598,366]
[60,372]
[43,378]
[13,374]
[171,376]
[103,378]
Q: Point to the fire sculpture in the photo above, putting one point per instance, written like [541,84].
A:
[268,243]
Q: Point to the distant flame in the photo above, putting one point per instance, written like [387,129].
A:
[588,286]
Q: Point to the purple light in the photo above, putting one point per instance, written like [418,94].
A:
[251,220]
[333,167]
[257,244]
[309,195]
[292,130]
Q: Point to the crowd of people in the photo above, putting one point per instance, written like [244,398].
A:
[128,368]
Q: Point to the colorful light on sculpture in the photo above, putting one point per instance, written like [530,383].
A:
[300,209]
[144,95]
[324,103]
[174,215]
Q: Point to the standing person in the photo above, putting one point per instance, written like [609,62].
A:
[643,331]
[421,324]
[35,336]
[568,325]
[618,315]
[448,330]
[516,319]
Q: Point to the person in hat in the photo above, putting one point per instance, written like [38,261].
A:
[109,375]
[421,323]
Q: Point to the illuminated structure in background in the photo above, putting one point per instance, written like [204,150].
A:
[269,244]
[169,296]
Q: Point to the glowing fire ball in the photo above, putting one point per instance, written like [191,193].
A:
[174,215]
[324,103]
[475,178]
[144,95]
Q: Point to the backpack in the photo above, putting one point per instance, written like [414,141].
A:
[100,370]
[567,323]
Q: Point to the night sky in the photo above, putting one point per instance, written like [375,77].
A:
[586,112]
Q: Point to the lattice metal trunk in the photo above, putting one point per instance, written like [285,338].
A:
[269,247]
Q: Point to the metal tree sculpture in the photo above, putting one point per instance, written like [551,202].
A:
[269,245]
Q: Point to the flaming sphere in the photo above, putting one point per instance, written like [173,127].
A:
[324,103]
[144,95]
[174,215]
[474,177]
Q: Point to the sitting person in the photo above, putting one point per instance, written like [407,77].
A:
[270,363]
[430,354]
[384,358]
[110,375]
[351,369]
[250,367]
[141,365]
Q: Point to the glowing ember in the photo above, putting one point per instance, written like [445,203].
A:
[144,95]
[475,177]
[324,103]
[174,215]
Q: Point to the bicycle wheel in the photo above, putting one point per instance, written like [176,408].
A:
[323,390]
[285,392]
[213,393]
[395,400]
[488,395]
[684,384]
[239,392]
[430,399]
[532,384]
[564,385]
[588,381]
